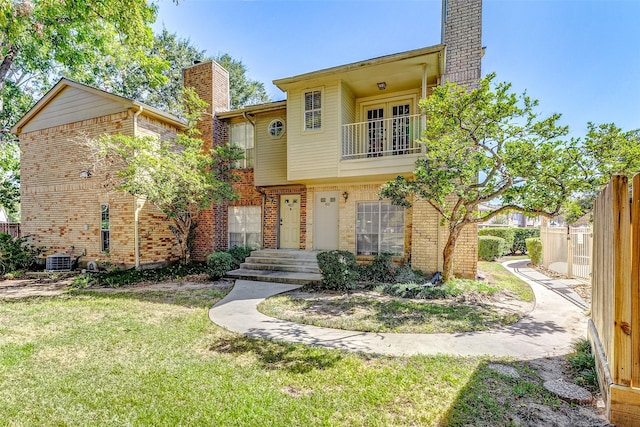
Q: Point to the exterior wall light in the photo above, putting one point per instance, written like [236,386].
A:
[85,174]
[345,196]
[382,85]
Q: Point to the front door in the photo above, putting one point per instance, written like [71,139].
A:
[325,215]
[290,221]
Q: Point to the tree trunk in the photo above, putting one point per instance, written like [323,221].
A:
[447,253]
[6,63]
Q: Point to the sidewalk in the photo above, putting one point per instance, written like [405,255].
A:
[557,320]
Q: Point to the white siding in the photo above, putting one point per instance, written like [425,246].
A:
[73,105]
[271,153]
[314,154]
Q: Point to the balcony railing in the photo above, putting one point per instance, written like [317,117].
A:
[385,137]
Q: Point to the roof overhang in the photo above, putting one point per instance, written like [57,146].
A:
[254,109]
[405,68]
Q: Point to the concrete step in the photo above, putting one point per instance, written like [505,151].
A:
[281,261]
[275,276]
[285,253]
[250,264]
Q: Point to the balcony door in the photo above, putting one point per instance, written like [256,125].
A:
[388,130]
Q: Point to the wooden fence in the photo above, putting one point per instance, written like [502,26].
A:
[12,228]
[614,327]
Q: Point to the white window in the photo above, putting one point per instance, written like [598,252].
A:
[241,134]
[245,226]
[104,228]
[313,110]
[379,228]
[276,128]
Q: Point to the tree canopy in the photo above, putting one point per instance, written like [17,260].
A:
[484,144]
[177,176]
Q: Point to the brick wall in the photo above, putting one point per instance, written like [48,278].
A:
[211,83]
[462,33]
[62,210]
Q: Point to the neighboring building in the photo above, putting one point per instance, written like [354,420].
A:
[508,219]
[63,203]
[313,164]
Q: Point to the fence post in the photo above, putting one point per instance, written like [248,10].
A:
[569,254]
[635,282]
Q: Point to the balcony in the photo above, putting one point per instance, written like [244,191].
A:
[385,137]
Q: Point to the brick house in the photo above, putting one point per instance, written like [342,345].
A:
[64,206]
[313,164]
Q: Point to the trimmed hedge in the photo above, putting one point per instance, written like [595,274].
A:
[534,246]
[490,247]
[521,234]
[339,270]
[507,234]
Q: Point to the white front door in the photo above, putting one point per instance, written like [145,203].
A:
[325,215]
[290,221]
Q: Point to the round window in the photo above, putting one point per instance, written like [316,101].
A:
[276,128]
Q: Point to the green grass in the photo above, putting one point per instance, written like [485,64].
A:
[154,358]
[358,313]
[375,313]
[501,277]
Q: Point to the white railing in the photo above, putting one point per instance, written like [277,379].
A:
[377,138]
[567,250]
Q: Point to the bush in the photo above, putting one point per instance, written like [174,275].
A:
[115,278]
[339,270]
[16,254]
[406,275]
[490,247]
[219,263]
[534,247]
[519,242]
[381,270]
[507,234]
[239,254]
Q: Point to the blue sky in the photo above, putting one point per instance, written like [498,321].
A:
[579,58]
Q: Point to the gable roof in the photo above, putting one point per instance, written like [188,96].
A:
[65,83]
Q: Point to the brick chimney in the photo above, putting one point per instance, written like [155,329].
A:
[211,83]
[462,35]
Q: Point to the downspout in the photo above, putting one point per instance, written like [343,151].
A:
[138,204]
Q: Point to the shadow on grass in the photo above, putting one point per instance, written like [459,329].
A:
[295,358]
[190,298]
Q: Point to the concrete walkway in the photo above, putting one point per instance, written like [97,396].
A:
[549,330]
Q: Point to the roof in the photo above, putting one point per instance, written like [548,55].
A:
[64,83]
[254,109]
[360,65]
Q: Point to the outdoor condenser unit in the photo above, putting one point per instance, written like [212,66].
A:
[58,262]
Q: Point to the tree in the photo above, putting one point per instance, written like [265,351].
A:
[178,177]
[244,91]
[483,144]
[9,175]
[606,150]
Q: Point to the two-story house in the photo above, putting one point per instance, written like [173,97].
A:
[313,164]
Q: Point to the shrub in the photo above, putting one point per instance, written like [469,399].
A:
[583,365]
[534,247]
[521,234]
[490,247]
[507,234]
[339,270]
[219,263]
[381,270]
[17,254]
[239,254]
[406,275]
[115,278]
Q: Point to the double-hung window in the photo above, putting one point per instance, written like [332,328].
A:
[241,134]
[313,110]
[379,228]
[245,226]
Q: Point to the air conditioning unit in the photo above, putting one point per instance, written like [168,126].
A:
[58,262]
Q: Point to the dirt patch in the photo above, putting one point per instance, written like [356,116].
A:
[26,288]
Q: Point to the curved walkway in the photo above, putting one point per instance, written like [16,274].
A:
[549,330]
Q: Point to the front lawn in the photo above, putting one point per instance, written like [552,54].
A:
[154,358]
[465,306]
